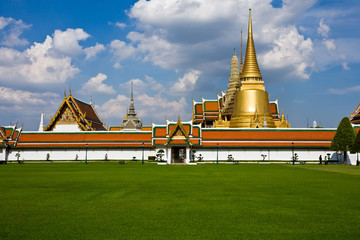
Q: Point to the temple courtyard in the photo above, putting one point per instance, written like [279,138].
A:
[134,201]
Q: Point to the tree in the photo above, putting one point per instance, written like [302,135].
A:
[356,146]
[160,154]
[344,137]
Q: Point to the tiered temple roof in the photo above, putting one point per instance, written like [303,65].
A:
[131,121]
[355,116]
[73,111]
[9,135]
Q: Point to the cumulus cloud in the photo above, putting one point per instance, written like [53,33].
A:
[16,97]
[187,34]
[186,83]
[115,107]
[67,42]
[91,52]
[49,62]
[96,85]
[35,65]
[291,50]
[27,105]
[121,51]
[10,30]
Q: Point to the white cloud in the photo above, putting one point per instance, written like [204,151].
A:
[115,107]
[91,52]
[146,106]
[345,66]
[343,91]
[96,85]
[121,51]
[186,83]
[67,42]
[140,86]
[121,25]
[196,34]
[10,96]
[35,65]
[10,30]
[323,29]
[329,44]
[49,62]
[291,50]
[154,85]
[26,105]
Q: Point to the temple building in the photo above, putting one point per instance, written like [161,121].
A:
[238,125]
[246,103]
[355,116]
[131,121]
[74,115]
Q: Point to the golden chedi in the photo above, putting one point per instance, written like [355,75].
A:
[251,104]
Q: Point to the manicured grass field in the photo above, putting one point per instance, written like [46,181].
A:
[134,201]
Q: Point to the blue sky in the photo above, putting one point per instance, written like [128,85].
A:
[308,52]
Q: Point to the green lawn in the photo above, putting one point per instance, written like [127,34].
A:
[134,201]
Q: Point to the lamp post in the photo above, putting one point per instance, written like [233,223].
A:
[292,150]
[86,147]
[217,153]
[142,161]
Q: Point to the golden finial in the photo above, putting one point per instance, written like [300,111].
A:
[251,68]
[69,90]
[179,118]
[234,51]
[65,93]
[241,57]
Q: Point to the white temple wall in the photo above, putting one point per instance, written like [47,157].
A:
[209,154]
[66,128]
[271,154]
[70,154]
[2,154]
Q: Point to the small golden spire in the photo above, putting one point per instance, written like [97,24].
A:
[251,67]
[241,57]
[282,115]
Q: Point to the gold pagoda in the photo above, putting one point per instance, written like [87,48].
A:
[251,102]
[246,103]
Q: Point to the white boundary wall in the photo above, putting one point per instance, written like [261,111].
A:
[208,154]
[91,154]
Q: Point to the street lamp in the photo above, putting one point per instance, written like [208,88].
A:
[292,150]
[142,162]
[217,154]
[86,147]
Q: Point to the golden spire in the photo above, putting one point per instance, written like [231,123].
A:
[251,67]
[241,58]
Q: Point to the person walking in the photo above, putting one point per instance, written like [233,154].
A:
[320,160]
